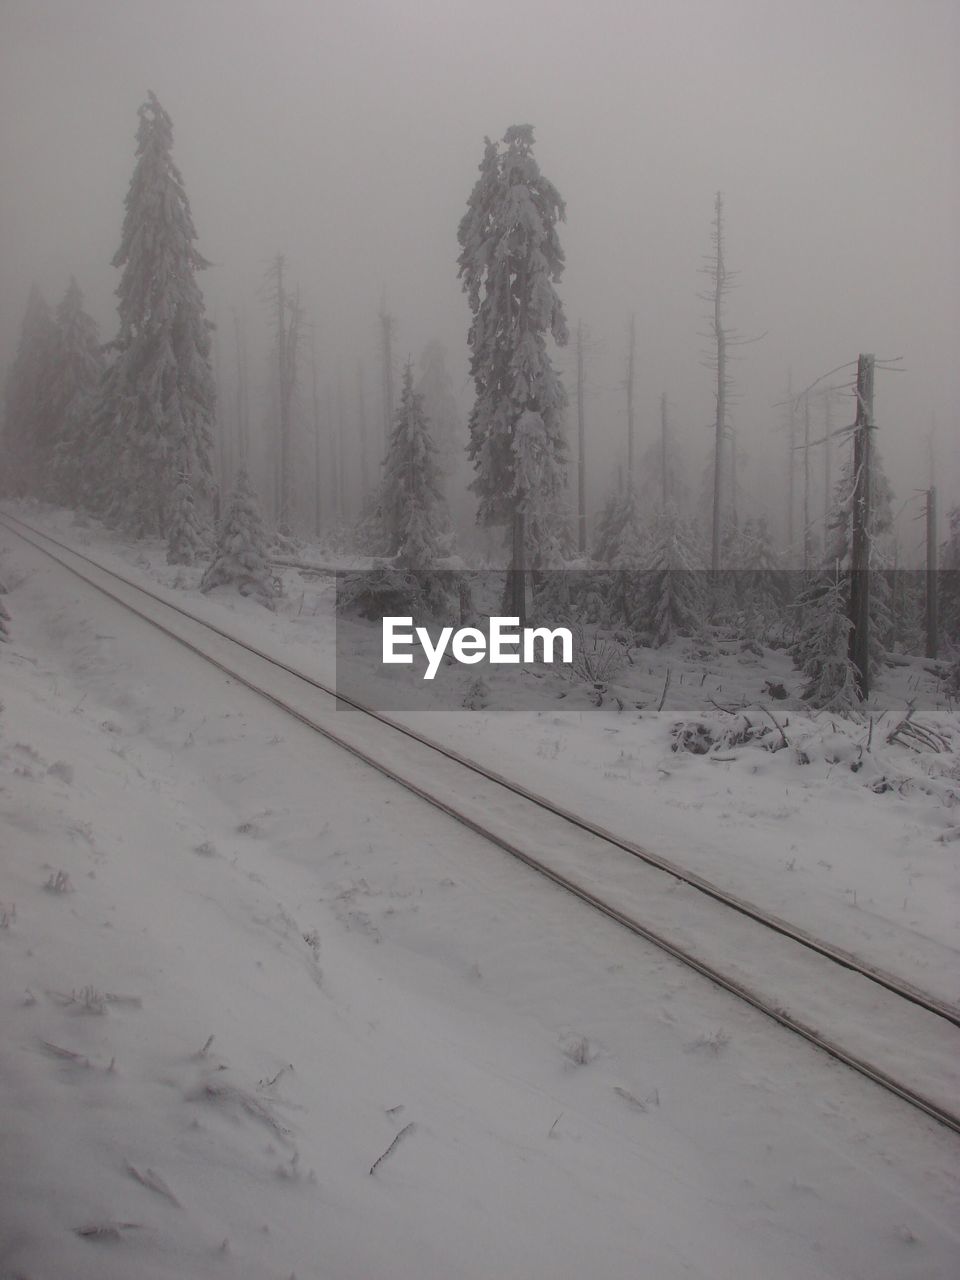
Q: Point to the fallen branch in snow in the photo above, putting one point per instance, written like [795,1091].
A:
[257,1110]
[380,1159]
[776,723]
[729,711]
[153,1182]
[106,1230]
[66,1055]
[202,1053]
[268,1084]
[663,694]
[918,737]
[630,1097]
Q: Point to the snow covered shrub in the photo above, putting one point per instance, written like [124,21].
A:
[391,590]
[693,736]
[598,660]
[240,556]
[822,648]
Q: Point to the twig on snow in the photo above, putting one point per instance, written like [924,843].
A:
[380,1159]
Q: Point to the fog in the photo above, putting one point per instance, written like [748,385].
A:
[347,136]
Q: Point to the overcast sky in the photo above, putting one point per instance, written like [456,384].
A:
[348,136]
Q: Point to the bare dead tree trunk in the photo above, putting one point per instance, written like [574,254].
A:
[807,531]
[827,464]
[720,337]
[664,474]
[631,374]
[515,595]
[859,612]
[734,462]
[243,392]
[220,421]
[581,449]
[341,453]
[281,389]
[317,501]
[933,622]
[386,374]
[791,411]
[362,434]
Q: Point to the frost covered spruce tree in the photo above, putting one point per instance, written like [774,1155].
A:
[27,425]
[187,538]
[414,523]
[676,601]
[822,648]
[412,508]
[154,419]
[78,367]
[240,557]
[509,262]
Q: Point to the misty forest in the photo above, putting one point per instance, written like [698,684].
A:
[141,433]
[636,321]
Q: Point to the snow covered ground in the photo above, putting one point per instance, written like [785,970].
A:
[182,861]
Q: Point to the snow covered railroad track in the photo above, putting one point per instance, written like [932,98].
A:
[901,1038]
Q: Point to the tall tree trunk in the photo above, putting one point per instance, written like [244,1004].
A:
[859,611]
[664,461]
[932,620]
[386,375]
[827,463]
[581,450]
[317,500]
[281,469]
[631,374]
[807,531]
[720,336]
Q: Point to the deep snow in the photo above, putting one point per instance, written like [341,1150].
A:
[579,1102]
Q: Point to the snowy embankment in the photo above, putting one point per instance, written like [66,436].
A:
[841,832]
[183,862]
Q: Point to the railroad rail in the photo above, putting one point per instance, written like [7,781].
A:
[898,1030]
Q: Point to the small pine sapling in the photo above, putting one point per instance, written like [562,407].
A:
[240,555]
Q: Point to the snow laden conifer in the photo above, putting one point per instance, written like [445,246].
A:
[412,507]
[187,536]
[610,524]
[27,423]
[76,374]
[509,262]
[822,648]
[761,587]
[155,415]
[240,556]
[414,524]
[676,600]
